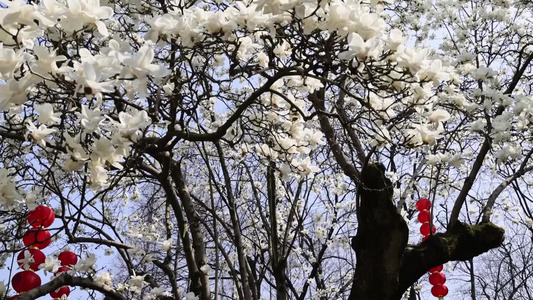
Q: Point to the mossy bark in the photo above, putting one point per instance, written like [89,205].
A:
[386,264]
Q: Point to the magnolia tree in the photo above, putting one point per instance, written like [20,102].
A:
[261,149]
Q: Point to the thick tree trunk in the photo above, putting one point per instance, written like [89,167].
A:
[386,264]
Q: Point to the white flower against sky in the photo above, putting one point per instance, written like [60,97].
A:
[90,119]
[9,61]
[30,199]
[8,190]
[166,245]
[104,278]
[412,59]
[315,138]
[369,25]
[39,134]
[305,167]
[141,66]
[262,59]
[15,92]
[439,115]
[20,12]
[128,124]
[87,264]
[46,61]
[104,150]
[359,48]
[191,296]
[49,265]
[434,72]
[283,50]
[136,283]
[47,116]
[82,12]
[74,147]
[265,151]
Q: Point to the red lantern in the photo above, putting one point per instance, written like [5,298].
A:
[424,229]
[39,239]
[42,216]
[423,204]
[64,290]
[436,269]
[38,258]
[437,278]
[439,291]
[67,258]
[25,281]
[423,216]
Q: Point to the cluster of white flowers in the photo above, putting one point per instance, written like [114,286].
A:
[8,190]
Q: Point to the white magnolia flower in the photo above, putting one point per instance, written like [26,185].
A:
[166,245]
[266,152]
[434,72]
[46,60]
[86,265]
[413,59]
[104,151]
[359,48]
[262,59]
[81,12]
[9,61]
[38,135]
[8,190]
[283,50]
[47,116]
[27,260]
[440,115]
[128,125]
[305,167]
[49,265]
[141,66]
[136,283]
[90,119]
[369,25]
[191,296]
[105,278]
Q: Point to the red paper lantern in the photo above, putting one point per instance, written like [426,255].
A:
[437,278]
[38,258]
[423,204]
[423,216]
[439,291]
[25,281]
[64,290]
[424,229]
[67,258]
[42,216]
[436,269]
[39,239]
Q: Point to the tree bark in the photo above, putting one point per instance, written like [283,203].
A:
[386,265]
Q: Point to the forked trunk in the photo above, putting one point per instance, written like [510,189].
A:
[386,265]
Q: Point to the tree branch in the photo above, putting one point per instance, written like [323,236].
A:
[461,242]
